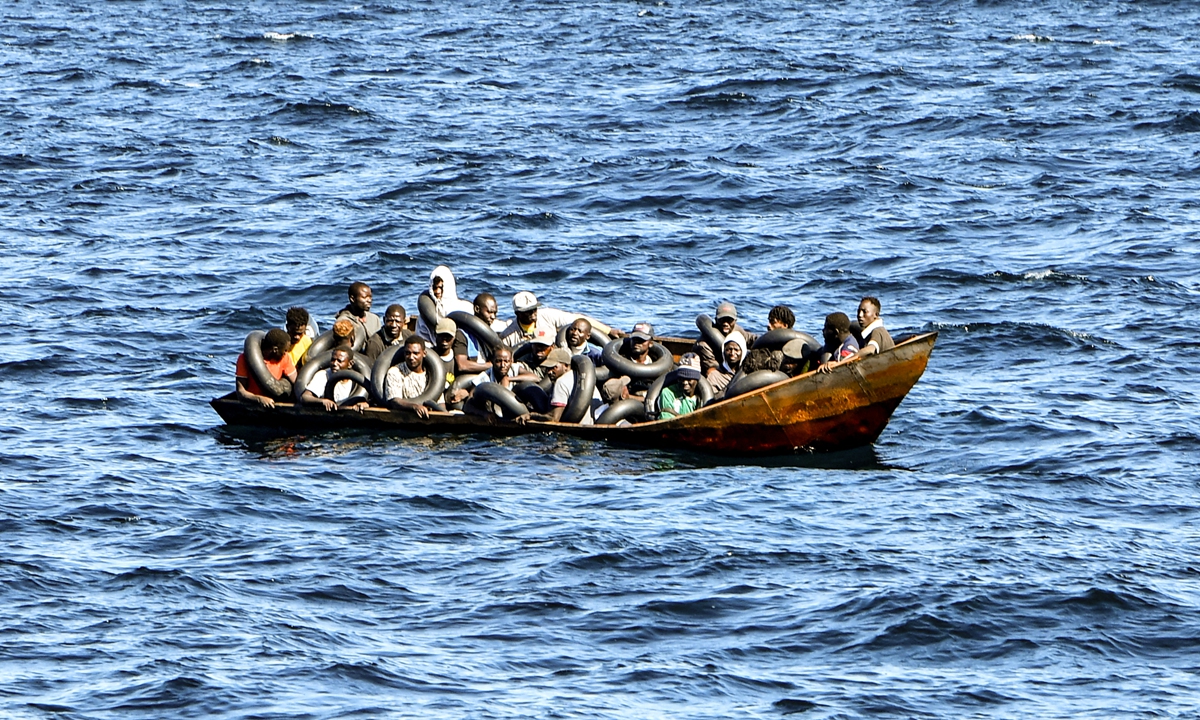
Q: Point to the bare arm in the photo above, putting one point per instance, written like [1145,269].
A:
[248,396]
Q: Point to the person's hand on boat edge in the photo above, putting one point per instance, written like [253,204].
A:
[266,402]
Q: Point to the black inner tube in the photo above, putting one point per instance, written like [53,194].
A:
[742,384]
[704,393]
[485,337]
[316,363]
[328,341]
[630,409]
[359,393]
[711,335]
[776,339]
[427,308]
[503,398]
[461,382]
[252,349]
[580,402]
[621,365]
[435,383]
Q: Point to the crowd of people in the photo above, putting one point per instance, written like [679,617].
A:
[535,357]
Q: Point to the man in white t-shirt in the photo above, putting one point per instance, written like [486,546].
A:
[319,392]
[532,316]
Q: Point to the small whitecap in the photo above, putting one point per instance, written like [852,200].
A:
[1038,274]
[283,37]
[1029,37]
[1104,42]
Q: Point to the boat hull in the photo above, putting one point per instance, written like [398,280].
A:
[815,412]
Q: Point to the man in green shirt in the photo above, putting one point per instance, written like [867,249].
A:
[679,398]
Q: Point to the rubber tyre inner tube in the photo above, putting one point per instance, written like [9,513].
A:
[630,409]
[597,338]
[327,341]
[427,309]
[580,402]
[662,362]
[742,384]
[461,382]
[502,397]
[710,334]
[704,393]
[277,389]
[435,384]
[360,382]
[316,363]
[776,339]
[485,337]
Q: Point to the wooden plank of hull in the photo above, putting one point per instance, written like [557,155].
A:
[847,408]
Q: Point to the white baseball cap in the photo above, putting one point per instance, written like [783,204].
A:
[524,301]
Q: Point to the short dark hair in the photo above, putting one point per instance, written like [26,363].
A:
[783,314]
[874,301]
[838,321]
[297,316]
[275,338]
[416,340]
[483,296]
[356,287]
[343,348]
[397,307]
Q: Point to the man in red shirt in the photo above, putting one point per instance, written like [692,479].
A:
[274,348]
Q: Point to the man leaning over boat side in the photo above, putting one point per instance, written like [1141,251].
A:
[359,308]
[840,345]
[274,347]
[407,380]
[322,391]
[725,321]
[531,315]
[394,331]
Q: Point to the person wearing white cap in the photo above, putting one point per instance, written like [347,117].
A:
[637,350]
[532,315]
[725,321]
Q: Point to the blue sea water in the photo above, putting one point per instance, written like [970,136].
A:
[1021,542]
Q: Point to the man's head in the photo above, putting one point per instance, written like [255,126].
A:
[541,342]
[414,353]
[725,318]
[343,332]
[868,311]
[341,359]
[525,305]
[579,332]
[443,341]
[394,321]
[688,373]
[615,389]
[640,339]
[556,363]
[734,349]
[436,287]
[780,316]
[793,357]
[837,327]
[360,297]
[274,344]
[486,308]
[501,361]
[297,323]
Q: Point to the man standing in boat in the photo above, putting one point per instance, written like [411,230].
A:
[359,309]
[531,315]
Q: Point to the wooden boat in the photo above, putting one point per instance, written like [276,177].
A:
[814,412]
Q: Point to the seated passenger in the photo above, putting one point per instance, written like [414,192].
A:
[611,391]
[840,345]
[558,369]
[732,354]
[724,321]
[359,308]
[873,338]
[762,359]
[394,331]
[795,361]
[320,391]
[781,317]
[407,380]
[679,398]
[444,293]
[531,316]
[298,331]
[576,341]
[468,356]
[637,350]
[504,372]
[274,346]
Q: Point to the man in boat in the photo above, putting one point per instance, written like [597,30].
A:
[531,315]
[611,391]
[762,359]
[873,338]
[444,336]
[781,317]
[558,369]
[795,361]
[343,333]
[394,331]
[468,356]
[359,308]
[731,361]
[576,341]
[321,390]
[636,349]
[274,347]
[679,398]
[725,321]
[297,330]
[840,345]
[503,371]
[407,380]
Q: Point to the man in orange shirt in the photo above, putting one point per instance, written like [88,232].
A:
[274,348]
